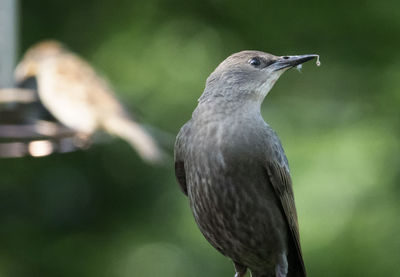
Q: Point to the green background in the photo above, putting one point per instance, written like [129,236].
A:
[103,212]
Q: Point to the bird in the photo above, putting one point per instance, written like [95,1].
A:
[231,165]
[78,97]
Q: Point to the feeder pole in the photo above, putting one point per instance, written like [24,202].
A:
[8,41]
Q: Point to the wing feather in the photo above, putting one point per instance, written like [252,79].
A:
[282,183]
[179,151]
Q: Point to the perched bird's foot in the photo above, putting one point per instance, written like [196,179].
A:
[82,140]
[240,269]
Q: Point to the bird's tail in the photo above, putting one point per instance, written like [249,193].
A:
[289,274]
[256,274]
[135,135]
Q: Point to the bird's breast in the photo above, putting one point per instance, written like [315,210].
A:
[229,194]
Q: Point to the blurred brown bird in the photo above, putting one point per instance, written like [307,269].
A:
[79,98]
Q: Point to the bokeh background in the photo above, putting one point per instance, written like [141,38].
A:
[103,212]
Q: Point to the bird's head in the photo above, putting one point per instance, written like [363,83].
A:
[249,74]
[34,56]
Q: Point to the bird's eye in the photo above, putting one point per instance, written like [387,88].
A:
[255,61]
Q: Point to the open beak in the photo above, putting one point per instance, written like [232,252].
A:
[292,61]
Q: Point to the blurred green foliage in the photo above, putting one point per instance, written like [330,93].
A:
[104,213]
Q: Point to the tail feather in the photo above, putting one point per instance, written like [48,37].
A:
[135,135]
[292,272]
[258,274]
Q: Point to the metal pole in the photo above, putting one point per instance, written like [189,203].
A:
[8,41]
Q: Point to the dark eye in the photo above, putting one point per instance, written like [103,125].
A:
[255,61]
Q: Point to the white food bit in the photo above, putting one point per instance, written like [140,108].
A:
[299,67]
[318,62]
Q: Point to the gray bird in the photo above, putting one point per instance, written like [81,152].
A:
[231,165]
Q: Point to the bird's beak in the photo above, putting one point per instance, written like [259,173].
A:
[24,70]
[291,61]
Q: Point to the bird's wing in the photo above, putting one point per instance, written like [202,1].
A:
[75,73]
[282,183]
[181,175]
[79,98]
[179,157]
[71,90]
